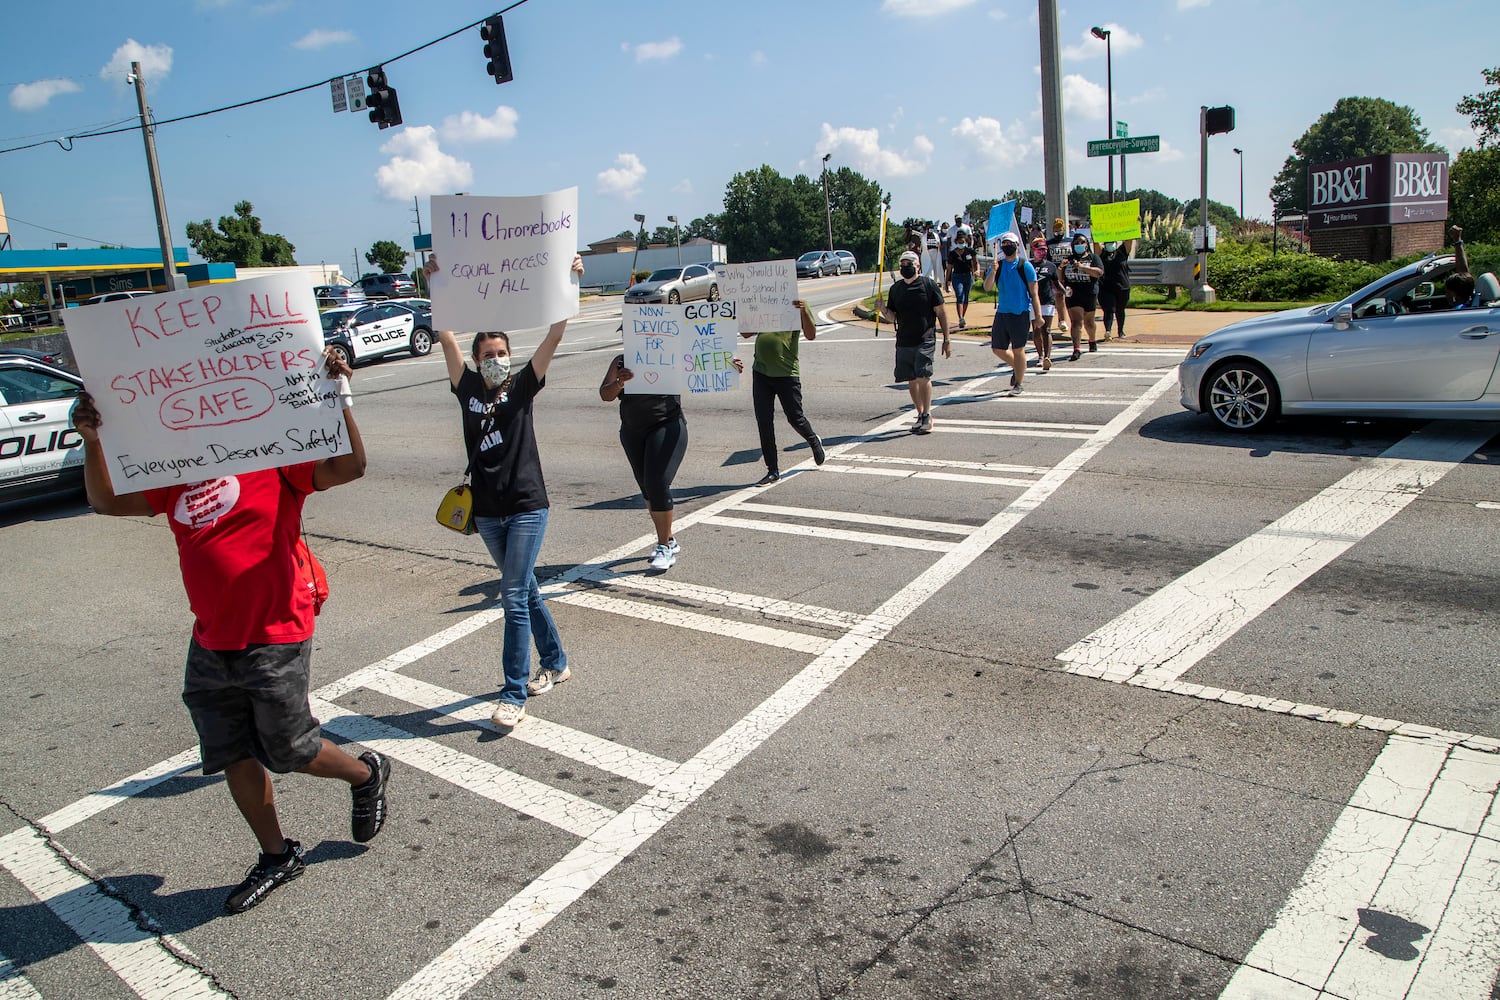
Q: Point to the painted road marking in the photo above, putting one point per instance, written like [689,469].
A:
[561,809]
[949,425]
[837,534]
[475,955]
[155,966]
[1026,470]
[1162,637]
[771,607]
[603,755]
[951,477]
[1487,505]
[856,517]
[1393,904]
[802,642]
[13,984]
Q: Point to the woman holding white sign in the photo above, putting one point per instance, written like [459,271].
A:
[510,497]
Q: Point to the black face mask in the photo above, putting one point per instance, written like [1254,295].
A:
[908,270]
[1008,249]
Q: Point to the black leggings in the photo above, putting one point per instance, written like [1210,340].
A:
[765,390]
[654,457]
[1113,303]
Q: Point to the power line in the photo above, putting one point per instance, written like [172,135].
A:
[259,100]
[59,232]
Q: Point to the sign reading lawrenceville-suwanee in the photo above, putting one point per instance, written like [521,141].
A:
[1390,189]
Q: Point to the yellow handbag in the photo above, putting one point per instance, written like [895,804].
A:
[456,511]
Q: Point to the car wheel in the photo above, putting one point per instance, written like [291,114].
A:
[713,293]
[673,297]
[1241,396]
[421,342]
[342,352]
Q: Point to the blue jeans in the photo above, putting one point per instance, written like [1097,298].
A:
[514,543]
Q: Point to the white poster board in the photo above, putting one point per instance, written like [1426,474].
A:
[504,263]
[763,292]
[208,382]
[683,349]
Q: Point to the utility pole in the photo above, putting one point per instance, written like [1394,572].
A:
[148,132]
[1053,143]
[1202,291]
[422,268]
[827,205]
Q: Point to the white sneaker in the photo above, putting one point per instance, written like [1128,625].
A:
[547,678]
[663,558]
[672,545]
[507,715]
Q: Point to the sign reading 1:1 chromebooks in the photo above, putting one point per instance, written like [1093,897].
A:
[504,263]
[208,383]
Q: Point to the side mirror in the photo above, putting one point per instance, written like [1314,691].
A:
[1343,317]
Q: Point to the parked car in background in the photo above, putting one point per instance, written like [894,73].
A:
[359,333]
[94,300]
[675,284]
[816,263]
[387,286]
[40,452]
[1391,349]
[330,296]
[6,351]
[847,263]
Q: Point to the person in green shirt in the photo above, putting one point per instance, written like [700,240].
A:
[775,375]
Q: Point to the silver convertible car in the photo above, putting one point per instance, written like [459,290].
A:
[1392,349]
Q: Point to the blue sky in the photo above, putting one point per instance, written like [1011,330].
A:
[652,106]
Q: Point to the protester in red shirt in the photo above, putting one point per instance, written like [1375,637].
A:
[247,677]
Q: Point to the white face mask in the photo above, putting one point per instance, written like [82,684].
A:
[495,370]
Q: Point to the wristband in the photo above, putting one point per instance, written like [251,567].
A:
[346,396]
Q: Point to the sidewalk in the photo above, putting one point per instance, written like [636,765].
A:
[1143,327]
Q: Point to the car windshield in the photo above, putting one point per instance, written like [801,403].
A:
[666,274]
[812,255]
[334,318]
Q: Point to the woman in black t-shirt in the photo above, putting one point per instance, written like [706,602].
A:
[1081,269]
[510,497]
[1114,286]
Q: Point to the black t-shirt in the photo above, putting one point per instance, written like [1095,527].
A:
[1116,270]
[641,412]
[915,305]
[962,260]
[507,473]
[1076,279]
[1046,281]
[1058,249]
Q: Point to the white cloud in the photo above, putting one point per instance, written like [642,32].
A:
[757,58]
[155,60]
[998,14]
[472,127]
[684,186]
[321,38]
[419,167]
[860,148]
[1453,138]
[991,145]
[35,95]
[1121,40]
[646,51]
[1185,4]
[624,178]
[924,8]
[1084,97]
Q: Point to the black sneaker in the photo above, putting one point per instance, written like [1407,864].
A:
[769,478]
[369,798]
[816,444]
[264,876]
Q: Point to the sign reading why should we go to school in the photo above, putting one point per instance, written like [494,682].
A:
[683,349]
[208,382]
[763,292]
[504,263]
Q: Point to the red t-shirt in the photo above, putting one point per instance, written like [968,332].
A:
[236,539]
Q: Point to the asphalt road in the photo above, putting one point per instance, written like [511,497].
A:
[1075,698]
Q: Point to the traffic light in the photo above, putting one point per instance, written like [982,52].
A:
[493,33]
[385,109]
[1218,120]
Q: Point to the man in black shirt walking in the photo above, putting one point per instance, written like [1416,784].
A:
[915,305]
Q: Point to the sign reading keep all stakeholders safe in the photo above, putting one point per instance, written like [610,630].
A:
[209,382]
[504,263]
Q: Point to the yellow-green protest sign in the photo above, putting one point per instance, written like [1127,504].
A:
[1120,221]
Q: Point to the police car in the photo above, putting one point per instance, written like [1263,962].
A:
[359,333]
[40,452]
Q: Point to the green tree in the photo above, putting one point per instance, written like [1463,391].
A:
[706,226]
[1220,215]
[240,240]
[855,201]
[767,215]
[387,256]
[1483,108]
[1357,126]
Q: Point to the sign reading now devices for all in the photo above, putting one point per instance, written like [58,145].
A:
[685,349]
[208,383]
[504,263]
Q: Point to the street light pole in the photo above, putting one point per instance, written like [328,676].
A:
[1241,153]
[678,230]
[827,206]
[640,221]
[158,196]
[1109,92]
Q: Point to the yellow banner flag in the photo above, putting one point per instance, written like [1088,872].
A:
[1120,221]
